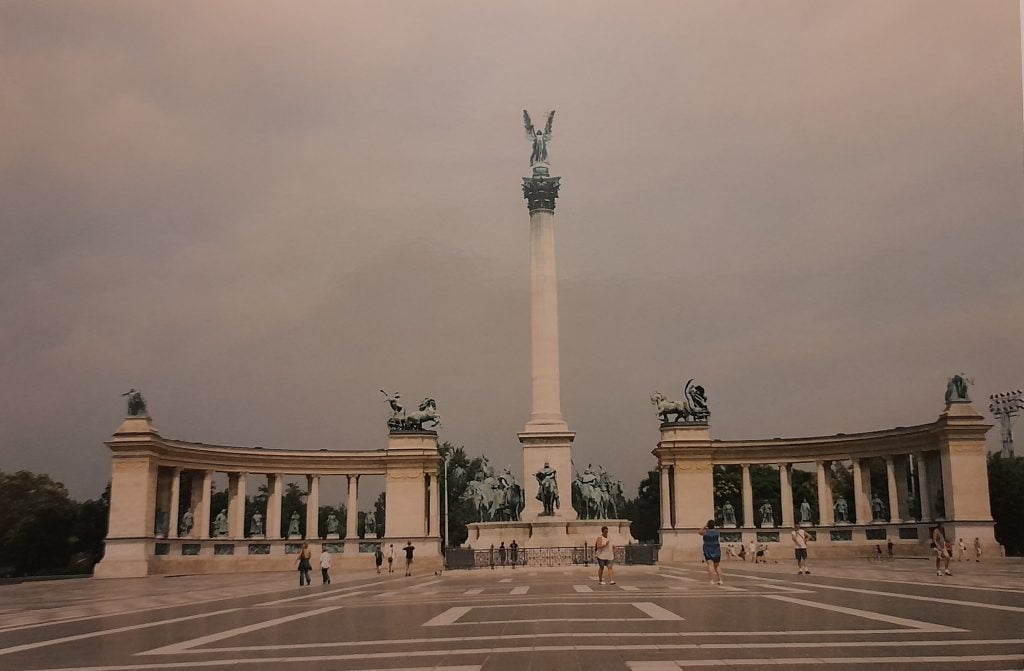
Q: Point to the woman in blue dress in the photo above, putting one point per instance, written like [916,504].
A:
[712,552]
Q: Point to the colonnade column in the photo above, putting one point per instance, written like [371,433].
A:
[666,496]
[275,483]
[434,520]
[824,496]
[352,518]
[786,488]
[172,514]
[203,519]
[236,505]
[923,494]
[861,503]
[748,497]
[313,507]
[894,496]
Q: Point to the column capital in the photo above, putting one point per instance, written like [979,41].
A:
[745,466]
[541,192]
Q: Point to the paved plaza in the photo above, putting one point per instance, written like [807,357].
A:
[847,615]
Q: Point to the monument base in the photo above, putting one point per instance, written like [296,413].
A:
[332,537]
[547,533]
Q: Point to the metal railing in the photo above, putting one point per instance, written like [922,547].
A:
[466,558]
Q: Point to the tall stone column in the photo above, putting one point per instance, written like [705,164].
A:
[172,514]
[275,488]
[352,516]
[924,494]
[546,439]
[236,505]
[894,495]
[203,518]
[748,497]
[825,511]
[313,507]
[786,489]
[666,498]
[546,410]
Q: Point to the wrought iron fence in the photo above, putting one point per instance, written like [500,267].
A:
[458,558]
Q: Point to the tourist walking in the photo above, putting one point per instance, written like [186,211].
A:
[752,551]
[378,558]
[305,555]
[502,553]
[513,551]
[941,549]
[977,549]
[712,551]
[604,552]
[391,558]
[409,549]
[325,567]
[889,548]
[961,550]
[799,536]
[743,552]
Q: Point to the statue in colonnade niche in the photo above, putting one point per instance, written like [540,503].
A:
[957,388]
[547,492]
[370,525]
[185,525]
[220,524]
[805,513]
[728,515]
[256,524]
[332,524]
[877,508]
[767,514]
[293,525]
[842,510]
[693,409]
[136,403]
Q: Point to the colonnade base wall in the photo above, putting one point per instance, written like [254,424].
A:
[939,467]
[146,535]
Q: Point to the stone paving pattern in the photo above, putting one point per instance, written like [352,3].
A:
[846,615]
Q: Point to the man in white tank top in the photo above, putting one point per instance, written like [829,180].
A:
[941,551]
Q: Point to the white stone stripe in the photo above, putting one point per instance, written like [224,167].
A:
[505,580]
[912,597]
[238,631]
[676,577]
[522,589]
[475,590]
[516,637]
[104,632]
[582,588]
[323,595]
[629,588]
[856,612]
[339,597]
[447,617]
[854,661]
[655,611]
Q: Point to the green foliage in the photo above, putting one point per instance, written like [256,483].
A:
[460,471]
[37,520]
[90,530]
[1006,494]
[644,512]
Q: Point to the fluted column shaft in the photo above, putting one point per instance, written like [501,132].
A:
[236,505]
[313,507]
[172,514]
[546,412]
[666,496]
[922,484]
[825,511]
[786,488]
[203,518]
[894,496]
[748,497]
[352,519]
[275,485]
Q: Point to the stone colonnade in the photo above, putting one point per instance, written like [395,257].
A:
[145,531]
[933,472]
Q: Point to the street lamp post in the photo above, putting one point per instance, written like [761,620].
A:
[1006,407]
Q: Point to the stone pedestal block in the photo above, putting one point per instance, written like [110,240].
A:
[554,449]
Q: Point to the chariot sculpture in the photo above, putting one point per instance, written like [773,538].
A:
[413,421]
[693,409]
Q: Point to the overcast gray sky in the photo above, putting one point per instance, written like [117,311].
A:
[262,213]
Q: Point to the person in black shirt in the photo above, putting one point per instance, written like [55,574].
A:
[409,549]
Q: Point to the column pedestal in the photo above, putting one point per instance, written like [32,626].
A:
[555,449]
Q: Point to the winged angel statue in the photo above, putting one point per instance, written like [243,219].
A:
[540,139]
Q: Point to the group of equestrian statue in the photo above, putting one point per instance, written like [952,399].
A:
[495,497]
[595,494]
